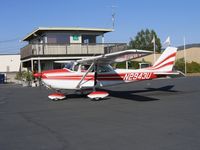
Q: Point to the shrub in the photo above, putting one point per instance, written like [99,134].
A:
[134,64]
[24,75]
[131,64]
[192,67]
[121,65]
[18,76]
[180,65]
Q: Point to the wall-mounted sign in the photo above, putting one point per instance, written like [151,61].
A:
[75,37]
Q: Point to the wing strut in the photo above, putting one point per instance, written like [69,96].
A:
[89,69]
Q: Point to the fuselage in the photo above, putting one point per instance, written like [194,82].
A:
[68,79]
[95,72]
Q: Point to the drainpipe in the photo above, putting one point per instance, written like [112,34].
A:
[31,65]
[39,66]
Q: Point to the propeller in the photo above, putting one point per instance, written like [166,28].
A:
[38,76]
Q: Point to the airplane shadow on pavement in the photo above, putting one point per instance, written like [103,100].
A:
[132,95]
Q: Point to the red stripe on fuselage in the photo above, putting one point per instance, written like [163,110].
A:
[107,77]
[44,76]
[79,78]
[56,71]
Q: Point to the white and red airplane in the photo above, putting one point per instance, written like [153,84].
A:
[96,72]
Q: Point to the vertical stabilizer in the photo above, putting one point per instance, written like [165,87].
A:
[166,61]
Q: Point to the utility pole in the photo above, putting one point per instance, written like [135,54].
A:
[113,16]
[154,48]
[185,56]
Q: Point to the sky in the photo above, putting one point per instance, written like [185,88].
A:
[174,18]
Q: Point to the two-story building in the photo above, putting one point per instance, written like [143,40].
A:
[46,46]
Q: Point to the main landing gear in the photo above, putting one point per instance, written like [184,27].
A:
[93,94]
[97,95]
[57,96]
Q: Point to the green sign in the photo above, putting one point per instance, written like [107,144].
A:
[75,37]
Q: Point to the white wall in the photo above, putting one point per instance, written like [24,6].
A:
[9,63]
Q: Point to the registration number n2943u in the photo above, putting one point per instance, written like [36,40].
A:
[137,76]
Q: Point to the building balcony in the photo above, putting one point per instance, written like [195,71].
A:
[53,50]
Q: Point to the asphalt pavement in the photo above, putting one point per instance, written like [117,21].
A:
[149,115]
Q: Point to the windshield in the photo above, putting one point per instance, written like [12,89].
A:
[69,65]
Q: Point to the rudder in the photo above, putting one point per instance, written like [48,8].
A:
[166,61]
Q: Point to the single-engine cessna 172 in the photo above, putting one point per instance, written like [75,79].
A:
[95,72]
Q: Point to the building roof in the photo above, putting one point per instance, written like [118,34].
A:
[9,54]
[187,46]
[40,30]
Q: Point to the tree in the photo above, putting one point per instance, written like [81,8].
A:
[143,40]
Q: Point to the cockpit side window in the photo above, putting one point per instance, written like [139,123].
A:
[84,68]
[104,68]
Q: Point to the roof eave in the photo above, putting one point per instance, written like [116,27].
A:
[103,30]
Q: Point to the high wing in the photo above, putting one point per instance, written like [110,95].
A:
[63,61]
[115,57]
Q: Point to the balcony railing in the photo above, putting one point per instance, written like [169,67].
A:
[32,50]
